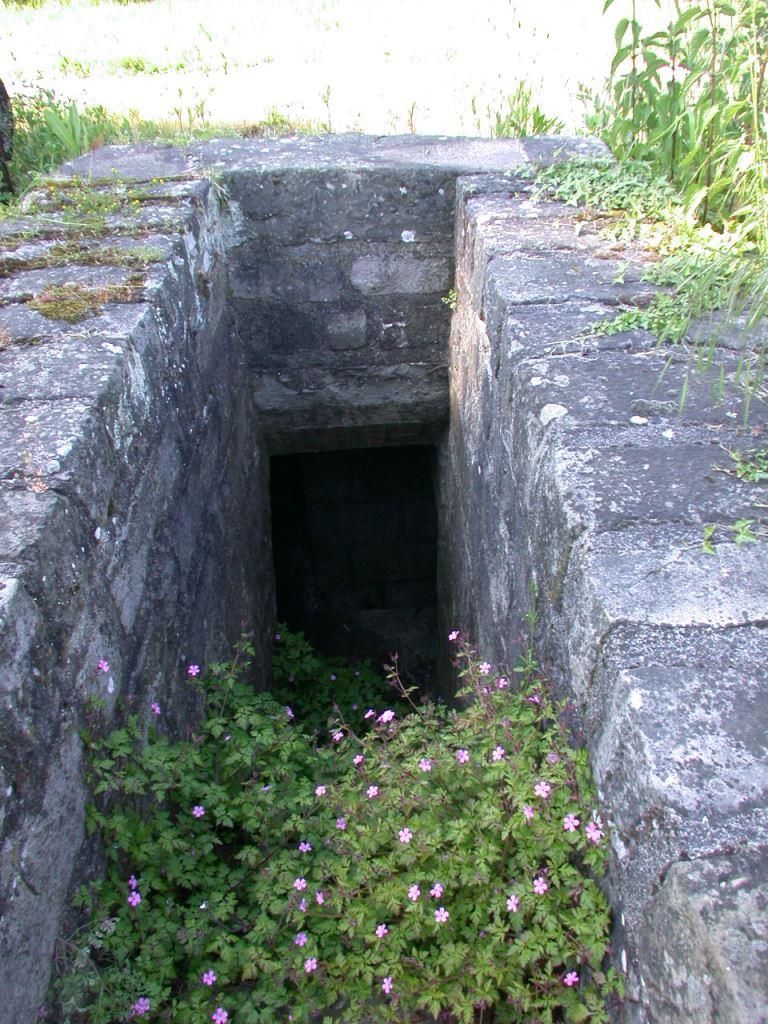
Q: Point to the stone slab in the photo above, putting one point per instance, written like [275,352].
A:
[707,942]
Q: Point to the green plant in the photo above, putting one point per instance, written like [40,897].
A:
[450,300]
[742,531]
[750,466]
[277,123]
[444,861]
[523,117]
[714,280]
[47,132]
[70,129]
[629,187]
[134,66]
[320,689]
[691,100]
[71,66]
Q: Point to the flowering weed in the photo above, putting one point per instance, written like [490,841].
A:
[256,874]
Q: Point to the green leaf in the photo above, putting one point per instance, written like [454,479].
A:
[621,28]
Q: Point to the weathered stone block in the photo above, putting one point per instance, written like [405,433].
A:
[347,330]
[707,942]
[374,275]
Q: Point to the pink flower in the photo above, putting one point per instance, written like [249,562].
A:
[341,824]
[437,890]
[209,978]
[535,698]
[413,893]
[512,904]
[301,939]
[484,668]
[320,897]
[441,915]
[194,670]
[462,756]
[358,759]
[571,978]
[133,882]
[453,636]
[310,965]
[219,1016]
[303,905]
[594,833]
[498,754]
[369,713]
[338,737]
[141,1006]
[553,757]
[198,811]
[425,764]
[320,790]
[386,716]
[542,789]
[305,847]
[503,683]
[387,985]
[289,712]
[528,811]
[134,898]
[277,637]
[332,678]
[381,931]
[405,835]
[540,886]
[570,823]
[371,792]
[155,708]
[299,884]
[103,666]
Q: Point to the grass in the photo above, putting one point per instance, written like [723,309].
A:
[715,282]
[388,66]
[75,252]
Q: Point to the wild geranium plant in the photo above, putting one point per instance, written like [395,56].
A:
[441,864]
[319,689]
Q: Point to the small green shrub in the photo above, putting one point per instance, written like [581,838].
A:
[523,117]
[48,132]
[691,100]
[321,689]
[444,861]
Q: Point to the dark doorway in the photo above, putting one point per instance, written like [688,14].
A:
[354,537]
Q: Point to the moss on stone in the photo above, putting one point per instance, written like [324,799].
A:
[74,252]
[75,302]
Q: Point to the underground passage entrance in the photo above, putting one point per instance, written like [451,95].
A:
[354,537]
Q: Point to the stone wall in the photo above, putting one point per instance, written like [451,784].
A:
[568,468]
[132,529]
[288,299]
